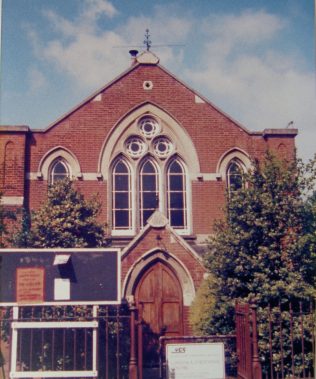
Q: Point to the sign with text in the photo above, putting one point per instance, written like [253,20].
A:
[60,276]
[30,285]
[195,361]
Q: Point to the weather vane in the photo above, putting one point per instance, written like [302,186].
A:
[147,41]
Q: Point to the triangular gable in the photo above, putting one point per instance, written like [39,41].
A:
[144,61]
[159,223]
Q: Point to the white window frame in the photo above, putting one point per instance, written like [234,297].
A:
[131,229]
[186,188]
[140,191]
[240,165]
[57,161]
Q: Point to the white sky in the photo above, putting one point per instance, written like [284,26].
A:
[254,59]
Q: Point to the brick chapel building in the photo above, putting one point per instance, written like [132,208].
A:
[160,157]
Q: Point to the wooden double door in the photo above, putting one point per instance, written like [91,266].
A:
[158,298]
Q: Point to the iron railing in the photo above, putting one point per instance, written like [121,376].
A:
[68,347]
[287,340]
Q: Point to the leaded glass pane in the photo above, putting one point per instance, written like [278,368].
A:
[175,167]
[59,171]
[150,200]
[176,182]
[149,183]
[176,196]
[121,194]
[177,218]
[122,219]
[121,200]
[148,195]
[121,182]
[234,176]
[176,200]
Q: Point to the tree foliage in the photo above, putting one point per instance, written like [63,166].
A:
[202,306]
[259,251]
[65,220]
[310,230]
[262,251]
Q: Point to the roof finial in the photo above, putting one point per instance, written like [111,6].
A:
[147,41]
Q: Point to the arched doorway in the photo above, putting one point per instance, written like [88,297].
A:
[158,297]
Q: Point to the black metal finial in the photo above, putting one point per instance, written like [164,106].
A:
[147,41]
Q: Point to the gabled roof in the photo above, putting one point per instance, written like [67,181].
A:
[149,58]
[158,221]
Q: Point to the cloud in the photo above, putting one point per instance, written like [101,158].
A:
[91,56]
[248,28]
[37,79]
[95,8]
[253,81]
[235,59]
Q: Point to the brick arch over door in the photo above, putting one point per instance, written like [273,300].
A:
[146,260]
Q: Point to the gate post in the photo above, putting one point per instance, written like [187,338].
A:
[133,374]
[256,365]
[243,341]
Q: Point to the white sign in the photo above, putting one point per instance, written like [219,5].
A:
[61,259]
[195,361]
[61,289]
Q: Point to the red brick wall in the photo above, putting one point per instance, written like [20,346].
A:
[12,163]
[84,131]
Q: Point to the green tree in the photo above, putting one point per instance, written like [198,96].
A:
[259,251]
[22,238]
[66,220]
[202,306]
[310,230]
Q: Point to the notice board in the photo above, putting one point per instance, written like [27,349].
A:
[195,361]
[60,276]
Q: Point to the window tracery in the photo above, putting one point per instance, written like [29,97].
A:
[153,181]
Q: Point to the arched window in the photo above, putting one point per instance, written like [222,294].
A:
[59,171]
[121,196]
[176,195]
[148,191]
[234,175]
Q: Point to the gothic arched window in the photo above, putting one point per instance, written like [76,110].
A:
[59,171]
[234,175]
[148,191]
[176,195]
[121,196]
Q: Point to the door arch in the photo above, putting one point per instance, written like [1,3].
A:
[158,297]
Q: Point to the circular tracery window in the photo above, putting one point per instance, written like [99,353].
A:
[148,126]
[163,147]
[135,147]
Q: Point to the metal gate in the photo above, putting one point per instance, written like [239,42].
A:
[249,366]
[61,339]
